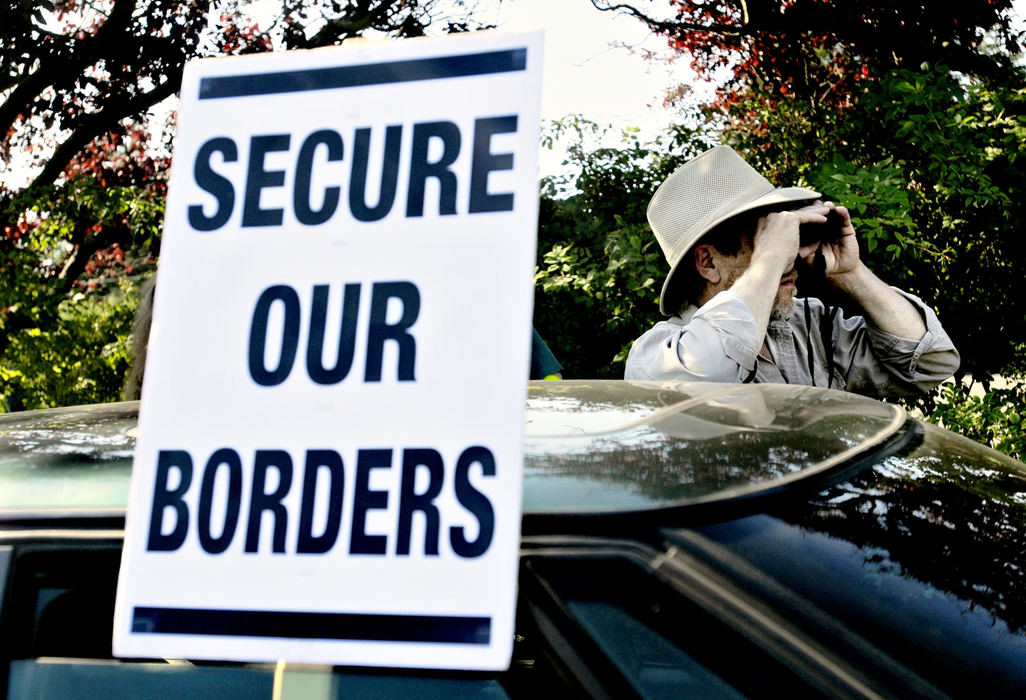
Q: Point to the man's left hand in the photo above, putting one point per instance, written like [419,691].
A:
[841,255]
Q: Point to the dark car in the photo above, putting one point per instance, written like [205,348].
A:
[679,540]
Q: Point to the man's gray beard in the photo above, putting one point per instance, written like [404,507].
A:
[782,311]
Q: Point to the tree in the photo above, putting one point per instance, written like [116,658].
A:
[820,50]
[817,55]
[83,68]
[84,168]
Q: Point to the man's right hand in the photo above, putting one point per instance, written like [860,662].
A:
[776,236]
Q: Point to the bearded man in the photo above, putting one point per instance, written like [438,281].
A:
[735,245]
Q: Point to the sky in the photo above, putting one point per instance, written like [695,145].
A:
[588,71]
[584,70]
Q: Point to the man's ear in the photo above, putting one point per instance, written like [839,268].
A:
[706,264]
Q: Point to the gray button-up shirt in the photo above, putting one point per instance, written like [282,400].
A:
[719,342]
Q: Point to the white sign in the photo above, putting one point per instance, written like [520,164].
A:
[329,457]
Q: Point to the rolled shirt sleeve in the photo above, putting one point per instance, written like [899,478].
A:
[718,343]
[882,364]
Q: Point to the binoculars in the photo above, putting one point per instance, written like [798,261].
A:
[828,231]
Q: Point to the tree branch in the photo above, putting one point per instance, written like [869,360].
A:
[670,26]
[99,123]
[60,71]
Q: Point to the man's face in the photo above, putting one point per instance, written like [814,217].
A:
[735,265]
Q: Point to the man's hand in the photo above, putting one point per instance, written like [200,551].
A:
[775,249]
[776,236]
[768,279]
[841,255]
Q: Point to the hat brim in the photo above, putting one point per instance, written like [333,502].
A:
[672,295]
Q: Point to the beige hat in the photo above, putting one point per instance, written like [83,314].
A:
[706,191]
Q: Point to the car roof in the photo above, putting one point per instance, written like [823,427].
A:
[590,447]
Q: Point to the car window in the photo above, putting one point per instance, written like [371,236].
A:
[660,642]
[56,622]
[655,666]
[68,679]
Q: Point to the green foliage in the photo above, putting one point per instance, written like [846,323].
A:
[593,300]
[80,359]
[995,418]
[599,268]
[876,197]
[74,72]
[959,148]
[781,136]
[63,209]
[71,268]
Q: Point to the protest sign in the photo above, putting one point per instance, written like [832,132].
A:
[329,455]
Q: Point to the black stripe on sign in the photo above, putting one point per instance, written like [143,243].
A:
[309,625]
[506,61]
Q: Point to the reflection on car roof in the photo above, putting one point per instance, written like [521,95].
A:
[590,447]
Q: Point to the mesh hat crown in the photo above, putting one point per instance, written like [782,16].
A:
[699,195]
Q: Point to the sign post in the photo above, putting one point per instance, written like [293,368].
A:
[329,457]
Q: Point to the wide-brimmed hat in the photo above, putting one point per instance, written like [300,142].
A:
[704,192]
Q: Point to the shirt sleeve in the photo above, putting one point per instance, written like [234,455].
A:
[883,364]
[719,343]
